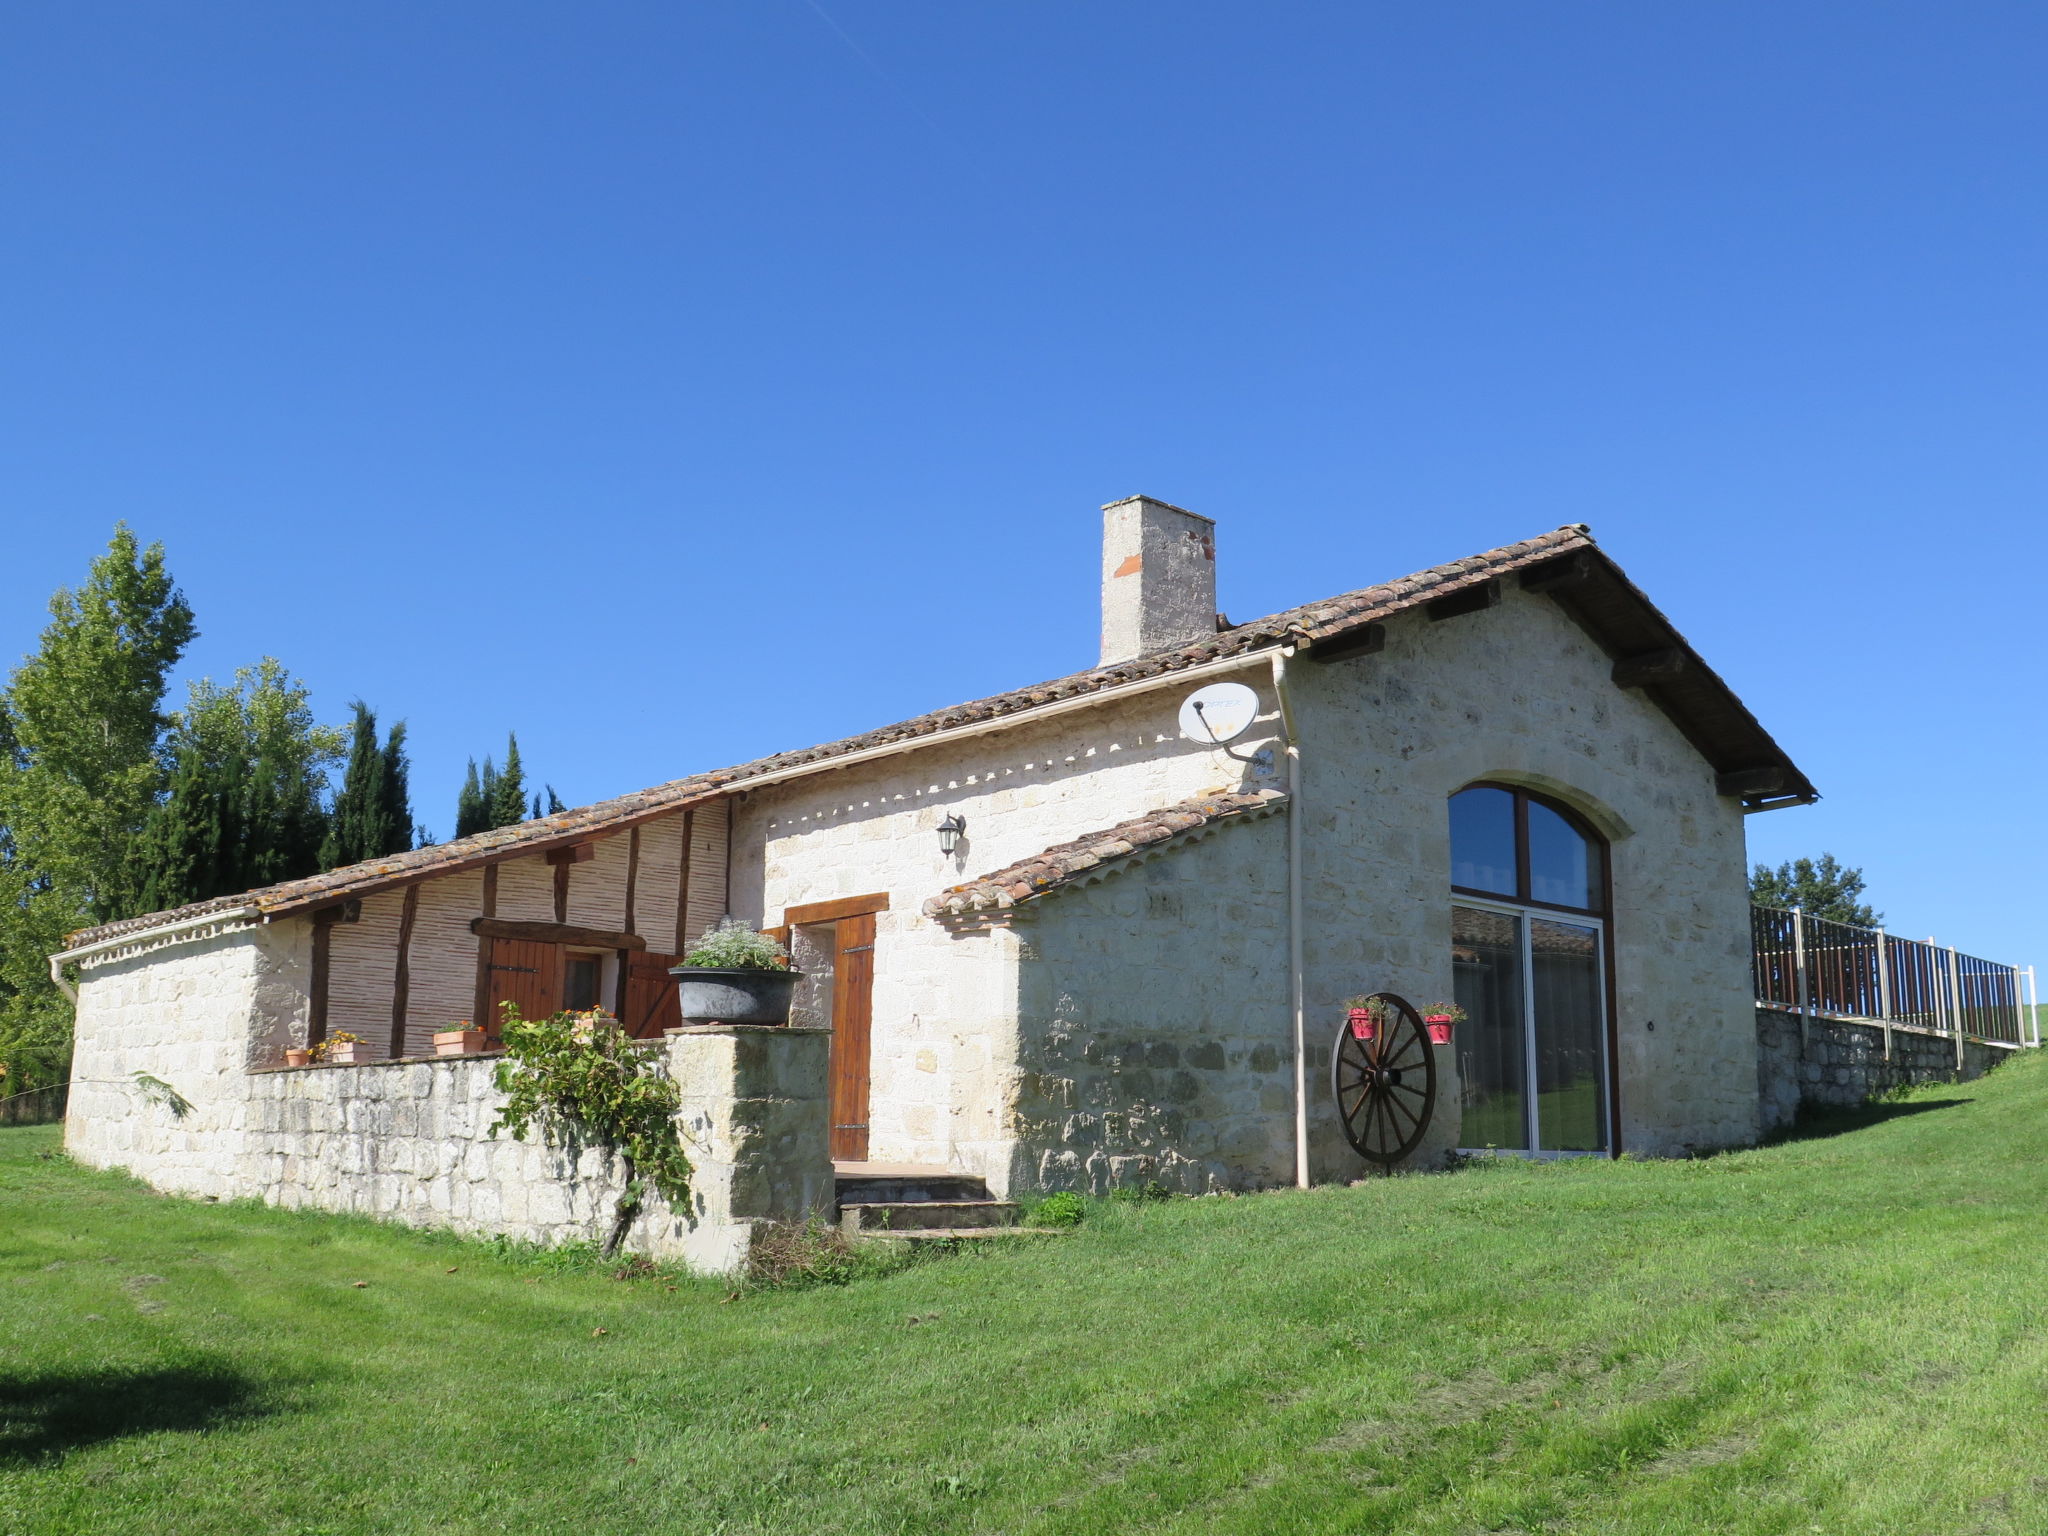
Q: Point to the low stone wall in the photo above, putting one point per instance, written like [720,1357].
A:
[1842,1064]
[409,1141]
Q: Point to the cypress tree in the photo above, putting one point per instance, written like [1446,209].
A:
[398,828]
[372,815]
[508,794]
[472,811]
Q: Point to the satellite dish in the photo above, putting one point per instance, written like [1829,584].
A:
[1218,713]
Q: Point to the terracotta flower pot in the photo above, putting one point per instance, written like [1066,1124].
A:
[1439,1027]
[1362,1024]
[355,1054]
[458,1042]
[298,1058]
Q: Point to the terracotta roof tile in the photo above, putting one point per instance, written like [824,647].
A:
[1065,862]
[1310,622]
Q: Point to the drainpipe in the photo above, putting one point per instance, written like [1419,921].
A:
[1294,967]
[63,983]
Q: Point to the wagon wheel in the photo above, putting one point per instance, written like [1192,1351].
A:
[1385,1087]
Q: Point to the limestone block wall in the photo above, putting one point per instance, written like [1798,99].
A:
[870,827]
[410,1141]
[1519,694]
[1842,1064]
[1166,1057]
[198,1015]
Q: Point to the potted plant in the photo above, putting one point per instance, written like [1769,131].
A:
[1439,1018]
[1366,1014]
[461,1038]
[734,975]
[299,1057]
[345,1050]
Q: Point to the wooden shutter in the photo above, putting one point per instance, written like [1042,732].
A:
[525,972]
[653,1003]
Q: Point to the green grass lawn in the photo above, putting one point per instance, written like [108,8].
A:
[1840,1334]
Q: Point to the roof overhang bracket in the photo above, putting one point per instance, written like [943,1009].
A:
[1366,640]
[1647,667]
[1567,574]
[1474,599]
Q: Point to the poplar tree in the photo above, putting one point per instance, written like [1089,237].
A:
[248,771]
[79,775]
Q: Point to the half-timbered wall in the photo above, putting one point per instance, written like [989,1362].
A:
[634,881]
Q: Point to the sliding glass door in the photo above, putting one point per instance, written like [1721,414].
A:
[1532,1050]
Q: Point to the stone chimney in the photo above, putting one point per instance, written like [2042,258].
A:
[1158,578]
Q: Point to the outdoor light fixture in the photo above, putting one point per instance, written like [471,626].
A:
[949,833]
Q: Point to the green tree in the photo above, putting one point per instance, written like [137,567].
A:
[508,790]
[80,773]
[472,809]
[248,772]
[1820,889]
[372,814]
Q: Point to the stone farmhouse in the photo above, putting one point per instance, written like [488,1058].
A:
[1057,938]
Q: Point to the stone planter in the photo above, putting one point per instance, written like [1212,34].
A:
[458,1042]
[718,996]
[357,1053]
[298,1058]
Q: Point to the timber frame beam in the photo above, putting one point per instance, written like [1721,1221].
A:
[554,933]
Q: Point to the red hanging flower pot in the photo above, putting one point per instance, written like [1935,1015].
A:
[1362,1023]
[1439,1019]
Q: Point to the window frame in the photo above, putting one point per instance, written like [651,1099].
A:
[1521,897]
[570,955]
[1603,915]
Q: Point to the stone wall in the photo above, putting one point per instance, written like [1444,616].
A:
[1842,1064]
[1516,693]
[409,1141]
[1519,694]
[1168,1061]
[946,1008]
[198,1015]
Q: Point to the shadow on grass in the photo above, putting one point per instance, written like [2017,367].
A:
[1815,1121]
[47,1416]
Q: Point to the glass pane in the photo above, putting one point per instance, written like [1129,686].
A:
[1571,1113]
[812,951]
[1483,840]
[1486,964]
[1564,867]
[581,979]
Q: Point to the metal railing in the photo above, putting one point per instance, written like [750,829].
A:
[1822,969]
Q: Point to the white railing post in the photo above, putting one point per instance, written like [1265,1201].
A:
[1955,1002]
[1884,990]
[2034,1006]
[1799,973]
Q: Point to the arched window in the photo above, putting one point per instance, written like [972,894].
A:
[1528,954]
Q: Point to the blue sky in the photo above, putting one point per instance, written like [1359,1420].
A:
[677,383]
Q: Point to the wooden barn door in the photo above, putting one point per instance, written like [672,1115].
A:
[853,1015]
[844,932]
[652,1001]
[525,972]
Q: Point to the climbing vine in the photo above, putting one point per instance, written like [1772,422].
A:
[581,1076]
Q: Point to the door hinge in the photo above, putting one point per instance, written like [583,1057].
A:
[856,949]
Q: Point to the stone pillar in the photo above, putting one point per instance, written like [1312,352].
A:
[755,1123]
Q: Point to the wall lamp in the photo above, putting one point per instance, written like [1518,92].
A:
[949,833]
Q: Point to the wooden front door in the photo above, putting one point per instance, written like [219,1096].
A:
[847,929]
[853,1002]
[525,972]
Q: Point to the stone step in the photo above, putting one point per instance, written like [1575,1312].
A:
[882,1185]
[925,1215]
